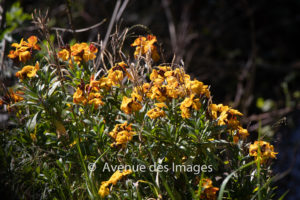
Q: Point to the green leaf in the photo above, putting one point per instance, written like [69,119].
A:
[32,123]
[53,87]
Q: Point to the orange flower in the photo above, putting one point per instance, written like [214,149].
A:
[83,51]
[118,72]
[104,190]
[78,97]
[24,49]
[208,192]
[95,99]
[262,151]
[24,56]
[28,71]
[146,45]
[64,54]
[155,113]
[122,134]
[187,104]
[32,43]
[130,105]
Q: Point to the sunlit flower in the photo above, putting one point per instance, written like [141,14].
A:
[155,113]
[146,45]
[122,134]
[137,94]
[24,49]
[78,97]
[157,77]
[28,71]
[105,83]
[224,114]
[24,56]
[262,151]
[104,190]
[188,104]
[78,52]
[32,43]
[95,99]
[130,105]
[64,54]
[198,88]
[158,93]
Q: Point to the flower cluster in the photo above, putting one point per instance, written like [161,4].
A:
[173,114]
[117,73]
[157,111]
[24,49]
[229,117]
[122,134]
[208,192]
[262,151]
[145,45]
[88,93]
[10,98]
[78,52]
[104,190]
[28,71]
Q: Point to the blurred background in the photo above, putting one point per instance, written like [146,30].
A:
[247,51]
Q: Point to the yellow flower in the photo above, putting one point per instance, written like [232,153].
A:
[28,71]
[144,45]
[224,114]
[266,151]
[155,113]
[83,51]
[93,85]
[157,77]
[208,192]
[122,134]
[95,99]
[147,89]
[242,132]
[89,53]
[24,56]
[103,190]
[187,104]
[105,83]
[32,43]
[179,74]
[116,77]
[158,93]
[174,88]
[24,49]
[64,54]
[136,94]
[78,97]
[117,73]
[198,88]
[130,105]
[161,105]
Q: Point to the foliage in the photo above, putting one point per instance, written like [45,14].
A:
[81,110]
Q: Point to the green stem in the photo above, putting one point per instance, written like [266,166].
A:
[220,196]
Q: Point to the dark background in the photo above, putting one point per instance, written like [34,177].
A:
[248,51]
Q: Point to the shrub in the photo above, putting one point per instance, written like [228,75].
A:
[98,123]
